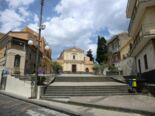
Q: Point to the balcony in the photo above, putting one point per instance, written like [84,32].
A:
[137,13]
[146,33]
[135,9]
[17,44]
[17,47]
[130,7]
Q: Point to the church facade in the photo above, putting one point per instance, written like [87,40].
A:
[73,60]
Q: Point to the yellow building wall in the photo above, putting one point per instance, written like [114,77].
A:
[148,22]
[125,49]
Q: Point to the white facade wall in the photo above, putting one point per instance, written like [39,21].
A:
[75,56]
[18,87]
[128,66]
[150,52]
[68,56]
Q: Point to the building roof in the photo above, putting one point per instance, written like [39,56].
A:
[68,50]
[73,48]
[116,37]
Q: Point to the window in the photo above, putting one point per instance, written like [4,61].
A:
[145,61]
[87,70]
[17,61]
[74,57]
[139,65]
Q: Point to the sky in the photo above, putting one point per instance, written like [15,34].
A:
[69,23]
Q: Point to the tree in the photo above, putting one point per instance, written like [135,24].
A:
[102,49]
[99,68]
[56,67]
[90,55]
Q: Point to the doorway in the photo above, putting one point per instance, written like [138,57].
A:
[74,68]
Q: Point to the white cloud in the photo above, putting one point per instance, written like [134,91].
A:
[79,20]
[23,11]
[19,3]
[36,18]
[13,17]
[10,20]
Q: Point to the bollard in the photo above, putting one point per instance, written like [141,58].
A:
[130,83]
[134,83]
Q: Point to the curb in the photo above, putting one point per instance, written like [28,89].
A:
[114,108]
[42,104]
[121,109]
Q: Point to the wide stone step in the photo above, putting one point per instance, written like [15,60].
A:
[96,94]
[111,86]
[52,89]
[87,94]
[83,79]
[87,89]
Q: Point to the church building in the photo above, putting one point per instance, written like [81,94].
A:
[73,60]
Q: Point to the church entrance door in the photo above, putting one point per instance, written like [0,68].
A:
[74,68]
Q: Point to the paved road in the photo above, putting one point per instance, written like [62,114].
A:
[14,107]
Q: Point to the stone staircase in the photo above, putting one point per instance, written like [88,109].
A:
[84,86]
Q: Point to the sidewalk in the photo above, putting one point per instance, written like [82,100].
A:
[128,103]
[90,106]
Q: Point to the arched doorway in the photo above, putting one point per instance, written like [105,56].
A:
[17,61]
[87,70]
[17,64]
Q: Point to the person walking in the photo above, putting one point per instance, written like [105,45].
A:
[4,74]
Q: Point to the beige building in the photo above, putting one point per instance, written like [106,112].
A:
[73,60]
[17,55]
[142,30]
[118,48]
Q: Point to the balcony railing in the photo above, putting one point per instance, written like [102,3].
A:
[18,47]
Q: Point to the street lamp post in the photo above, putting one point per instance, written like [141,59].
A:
[30,42]
[38,45]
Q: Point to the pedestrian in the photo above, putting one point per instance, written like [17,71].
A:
[41,73]
[4,74]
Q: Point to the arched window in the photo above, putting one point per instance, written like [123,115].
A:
[17,61]
[87,70]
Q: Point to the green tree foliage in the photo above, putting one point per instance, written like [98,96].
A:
[56,67]
[90,55]
[99,68]
[102,49]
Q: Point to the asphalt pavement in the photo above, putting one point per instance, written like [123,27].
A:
[14,107]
